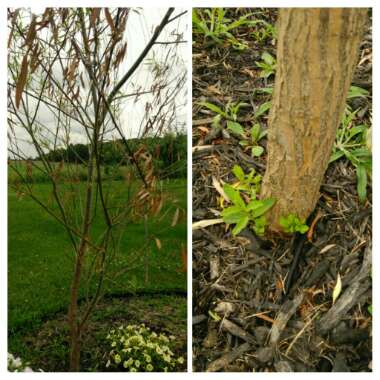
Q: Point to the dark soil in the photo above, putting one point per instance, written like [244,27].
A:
[47,347]
[244,317]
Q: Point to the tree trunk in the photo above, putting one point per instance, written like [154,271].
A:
[316,55]
[73,319]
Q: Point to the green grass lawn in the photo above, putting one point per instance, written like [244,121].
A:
[40,256]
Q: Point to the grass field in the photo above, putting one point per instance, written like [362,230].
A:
[40,256]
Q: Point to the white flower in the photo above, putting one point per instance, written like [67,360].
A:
[180,360]
[137,363]
[133,369]
[149,368]
[128,362]
[117,359]
[167,358]
[17,362]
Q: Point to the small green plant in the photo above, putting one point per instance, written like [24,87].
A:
[354,142]
[230,113]
[213,24]
[249,183]
[268,65]
[251,211]
[135,348]
[293,223]
[264,32]
[256,134]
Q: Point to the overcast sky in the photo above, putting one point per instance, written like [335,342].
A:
[139,29]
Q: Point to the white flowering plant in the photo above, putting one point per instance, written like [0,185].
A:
[135,348]
[15,364]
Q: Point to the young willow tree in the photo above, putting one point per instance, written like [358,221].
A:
[68,82]
[317,50]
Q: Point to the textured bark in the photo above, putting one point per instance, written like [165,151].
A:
[316,56]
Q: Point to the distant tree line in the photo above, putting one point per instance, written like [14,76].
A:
[168,153]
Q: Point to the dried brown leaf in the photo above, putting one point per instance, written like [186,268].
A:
[327,248]
[94,15]
[109,19]
[158,243]
[175,217]
[31,33]
[205,223]
[21,80]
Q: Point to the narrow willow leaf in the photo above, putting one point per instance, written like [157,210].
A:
[31,33]
[175,217]
[158,243]
[205,223]
[337,288]
[219,189]
[21,80]
[94,15]
[109,19]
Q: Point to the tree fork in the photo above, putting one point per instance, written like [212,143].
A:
[316,55]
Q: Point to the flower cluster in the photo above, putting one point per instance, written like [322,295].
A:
[135,348]
[15,364]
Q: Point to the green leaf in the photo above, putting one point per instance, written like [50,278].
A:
[216,121]
[265,205]
[233,214]
[303,228]
[265,90]
[336,155]
[361,175]
[356,92]
[240,225]
[369,308]
[259,225]
[213,108]
[235,128]
[263,108]
[214,316]
[266,73]
[284,222]
[238,172]
[255,132]
[257,151]
[234,196]
[267,58]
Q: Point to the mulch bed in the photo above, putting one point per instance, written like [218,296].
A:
[243,320]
